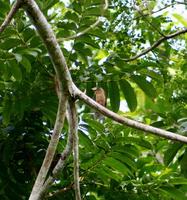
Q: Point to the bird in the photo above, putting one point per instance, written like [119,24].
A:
[100,98]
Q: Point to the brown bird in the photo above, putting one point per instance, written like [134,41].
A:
[100,98]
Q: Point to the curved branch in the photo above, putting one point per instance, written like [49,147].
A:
[156,44]
[38,186]
[64,82]
[72,142]
[125,121]
[10,15]
[67,151]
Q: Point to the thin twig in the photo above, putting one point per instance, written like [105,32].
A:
[150,24]
[92,26]
[65,189]
[156,44]
[128,122]
[154,12]
[183,3]
[10,15]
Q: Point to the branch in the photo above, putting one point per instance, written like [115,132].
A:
[126,121]
[156,44]
[145,19]
[156,11]
[73,141]
[67,151]
[64,85]
[38,186]
[75,150]
[10,15]
[183,3]
[92,26]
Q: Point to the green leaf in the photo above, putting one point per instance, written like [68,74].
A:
[29,33]
[93,11]
[6,71]
[71,16]
[77,7]
[7,108]
[117,165]
[183,163]
[20,26]
[129,149]
[94,160]
[171,152]
[95,125]
[98,33]
[18,57]
[141,142]
[15,69]
[129,94]
[146,86]
[92,2]
[114,95]
[10,43]
[26,64]
[85,140]
[88,40]
[178,181]
[124,159]
[105,173]
[30,51]
[181,19]
[49,4]
[172,193]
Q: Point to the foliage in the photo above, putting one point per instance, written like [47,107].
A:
[116,162]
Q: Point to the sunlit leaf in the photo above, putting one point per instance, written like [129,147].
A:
[181,19]
[129,94]
[145,85]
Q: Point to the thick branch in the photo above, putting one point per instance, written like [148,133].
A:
[10,15]
[156,44]
[126,121]
[64,85]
